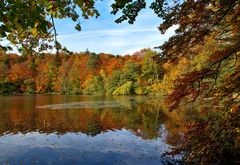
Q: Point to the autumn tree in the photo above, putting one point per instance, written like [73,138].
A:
[151,67]
[113,82]
[29,25]
[198,23]
[131,72]
[94,86]
[92,61]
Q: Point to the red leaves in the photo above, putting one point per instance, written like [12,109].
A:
[220,55]
[190,84]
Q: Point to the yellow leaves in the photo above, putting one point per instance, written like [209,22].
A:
[183,61]
[139,91]
[191,15]
[88,79]
[167,65]
[102,74]
[213,8]
[234,108]
[35,30]
[236,96]
[237,130]
[125,89]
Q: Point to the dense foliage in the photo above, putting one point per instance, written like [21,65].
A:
[29,25]
[201,63]
[85,73]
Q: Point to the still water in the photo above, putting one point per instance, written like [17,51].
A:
[56,129]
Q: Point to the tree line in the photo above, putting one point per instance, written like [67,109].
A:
[81,73]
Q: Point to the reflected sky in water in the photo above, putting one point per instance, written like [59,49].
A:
[55,129]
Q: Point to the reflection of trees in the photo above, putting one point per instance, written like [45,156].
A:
[176,123]
[139,116]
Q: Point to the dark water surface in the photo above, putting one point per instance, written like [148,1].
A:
[55,129]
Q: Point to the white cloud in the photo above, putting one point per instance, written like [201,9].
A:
[103,35]
[109,32]
[116,41]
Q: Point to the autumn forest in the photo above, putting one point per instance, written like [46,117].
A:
[84,73]
[174,103]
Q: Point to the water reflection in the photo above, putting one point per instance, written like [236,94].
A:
[86,130]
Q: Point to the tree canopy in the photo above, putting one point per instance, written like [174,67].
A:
[202,59]
[29,25]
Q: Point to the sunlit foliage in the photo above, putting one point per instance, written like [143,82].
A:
[85,73]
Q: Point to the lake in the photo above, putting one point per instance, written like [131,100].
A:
[58,129]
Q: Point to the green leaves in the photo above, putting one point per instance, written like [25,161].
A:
[78,27]
[26,24]
[125,89]
[129,10]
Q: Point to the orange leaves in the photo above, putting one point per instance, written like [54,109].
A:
[46,74]
[19,71]
[167,65]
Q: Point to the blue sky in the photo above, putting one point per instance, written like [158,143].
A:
[104,35]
